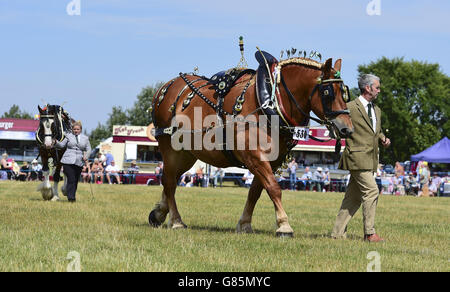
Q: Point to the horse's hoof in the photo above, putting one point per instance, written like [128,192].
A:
[153,220]
[47,194]
[244,228]
[285,234]
[55,199]
[179,226]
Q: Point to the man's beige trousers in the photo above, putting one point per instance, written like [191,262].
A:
[362,189]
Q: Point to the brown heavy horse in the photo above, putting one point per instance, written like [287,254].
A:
[53,123]
[287,90]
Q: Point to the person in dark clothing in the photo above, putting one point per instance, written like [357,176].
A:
[24,172]
[76,155]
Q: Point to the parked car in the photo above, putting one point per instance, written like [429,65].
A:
[389,169]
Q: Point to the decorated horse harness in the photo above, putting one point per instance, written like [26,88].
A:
[61,124]
[267,78]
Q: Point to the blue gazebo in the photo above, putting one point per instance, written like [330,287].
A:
[438,153]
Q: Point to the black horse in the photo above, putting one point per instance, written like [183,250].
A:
[54,122]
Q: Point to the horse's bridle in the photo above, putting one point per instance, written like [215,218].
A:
[48,116]
[327,96]
[38,138]
[326,91]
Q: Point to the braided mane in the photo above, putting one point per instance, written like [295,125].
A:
[301,61]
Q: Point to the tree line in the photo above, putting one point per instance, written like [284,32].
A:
[137,115]
[414,100]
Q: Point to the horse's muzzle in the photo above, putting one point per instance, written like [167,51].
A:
[342,128]
[49,144]
[345,132]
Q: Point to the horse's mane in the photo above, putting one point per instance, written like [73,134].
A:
[301,61]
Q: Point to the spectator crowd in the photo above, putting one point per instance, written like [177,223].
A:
[421,183]
[103,169]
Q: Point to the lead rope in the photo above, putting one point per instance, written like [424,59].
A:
[92,192]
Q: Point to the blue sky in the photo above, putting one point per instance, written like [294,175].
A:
[106,55]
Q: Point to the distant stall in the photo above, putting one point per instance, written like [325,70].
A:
[135,143]
[18,138]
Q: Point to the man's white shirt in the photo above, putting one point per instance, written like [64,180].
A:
[365,103]
[111,168]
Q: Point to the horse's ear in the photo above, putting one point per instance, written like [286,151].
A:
[327,68]
[39,108]
[337,65]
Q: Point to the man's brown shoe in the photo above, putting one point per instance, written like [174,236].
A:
[373,238]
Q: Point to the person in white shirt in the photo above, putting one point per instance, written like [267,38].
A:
[369,107]
[306,179]
[292,169]
[112,170]
[36,170]
[218,176]
[318,180]
[435,183]
[248,179]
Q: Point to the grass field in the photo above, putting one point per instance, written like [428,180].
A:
[110,232]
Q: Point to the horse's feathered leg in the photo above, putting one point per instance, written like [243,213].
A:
[245,222]
[56,179]
[45,187]
[175,164]
[263,172]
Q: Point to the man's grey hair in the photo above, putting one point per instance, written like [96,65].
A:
[366,79]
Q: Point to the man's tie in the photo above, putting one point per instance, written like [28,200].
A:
[369,112]
[78,141]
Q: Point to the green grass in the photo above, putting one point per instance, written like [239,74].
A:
[111,232]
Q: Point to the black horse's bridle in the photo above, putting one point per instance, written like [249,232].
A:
[43,135]
[327,96]
[53,128]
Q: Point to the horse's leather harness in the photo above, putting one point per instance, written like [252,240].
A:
[60,125]
[54,112]
[266,90]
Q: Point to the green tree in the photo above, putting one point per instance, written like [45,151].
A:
[15,112]
[414,101]
[99,134]
[139,114]
[117,117]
